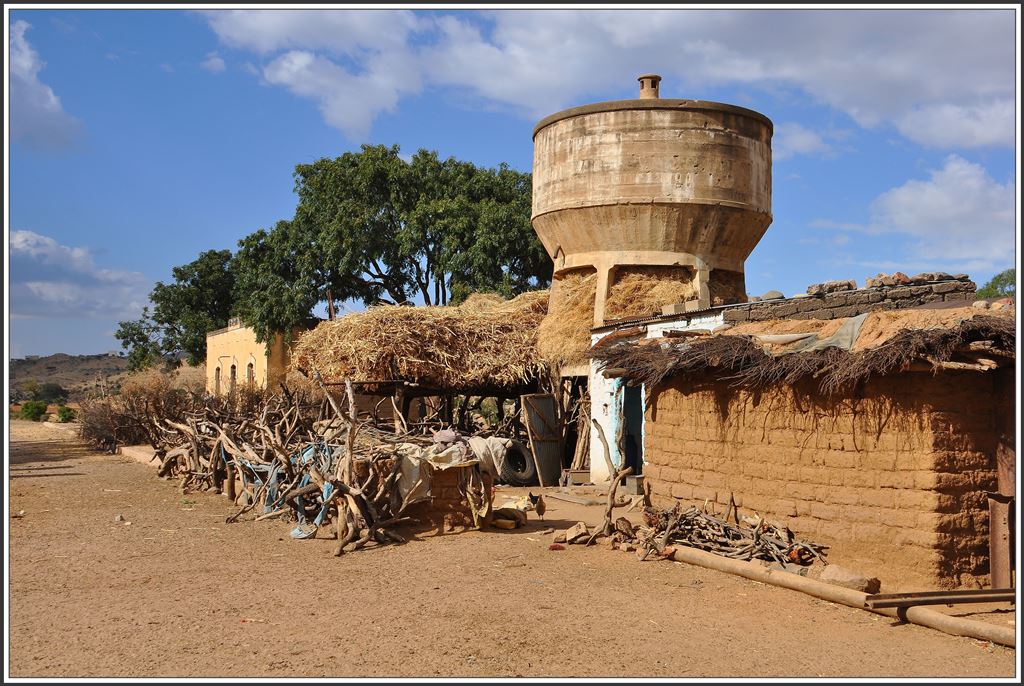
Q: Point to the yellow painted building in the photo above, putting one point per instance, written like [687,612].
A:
[234,358]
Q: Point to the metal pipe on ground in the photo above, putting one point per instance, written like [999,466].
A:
[923,616]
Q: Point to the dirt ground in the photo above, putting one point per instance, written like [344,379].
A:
[178,593]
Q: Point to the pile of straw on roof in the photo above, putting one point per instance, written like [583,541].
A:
[642,291]
[563,338]
[748,362]
[485,343]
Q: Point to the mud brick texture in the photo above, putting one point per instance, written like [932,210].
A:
[892,475]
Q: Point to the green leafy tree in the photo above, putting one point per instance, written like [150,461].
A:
[1002,285]
[198,301]
[33,410]
[373,227]
[143,339]
[275,284]
[65,414]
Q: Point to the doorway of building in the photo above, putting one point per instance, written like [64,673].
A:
[633,429]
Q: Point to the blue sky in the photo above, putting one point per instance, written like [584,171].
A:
[139,138]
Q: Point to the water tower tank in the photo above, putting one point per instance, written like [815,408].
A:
[653,182]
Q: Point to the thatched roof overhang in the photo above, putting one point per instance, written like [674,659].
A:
[977,343]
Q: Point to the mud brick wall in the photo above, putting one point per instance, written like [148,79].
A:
[447,510]
[892,477]
[850,303]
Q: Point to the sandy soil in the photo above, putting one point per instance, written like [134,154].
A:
[179,593]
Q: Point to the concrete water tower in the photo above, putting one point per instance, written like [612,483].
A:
[654,182]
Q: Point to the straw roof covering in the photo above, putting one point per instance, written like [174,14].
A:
[887,342]
[563,338]
[485,343]
[641,291]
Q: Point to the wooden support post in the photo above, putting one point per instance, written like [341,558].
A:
[229,485]
[1002,504]
[398,403]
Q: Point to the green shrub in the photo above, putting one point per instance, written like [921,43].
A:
[33,410]
[65,414]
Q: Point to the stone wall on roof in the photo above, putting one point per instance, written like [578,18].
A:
[849,302]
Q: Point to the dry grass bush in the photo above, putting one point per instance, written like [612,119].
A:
[486,342]
[563,338]
[642,291]
[145,398]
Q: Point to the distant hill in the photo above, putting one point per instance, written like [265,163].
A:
[78,374]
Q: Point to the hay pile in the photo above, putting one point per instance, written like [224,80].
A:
[485,343]
[642,291]
[747,363]
[563,338]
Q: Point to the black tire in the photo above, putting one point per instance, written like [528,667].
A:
[517,468]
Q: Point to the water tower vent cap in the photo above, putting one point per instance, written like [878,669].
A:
[649,85]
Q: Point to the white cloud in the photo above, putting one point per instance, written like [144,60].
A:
[348,101]
[50,280]
[375,42]
[37,117]
[339,31]
[940,77]
[969,126]
[213,63]
[165,67]
[959,219]
[792,139]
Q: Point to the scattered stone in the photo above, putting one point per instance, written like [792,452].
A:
[754,299]
[772,295]
[546,531]
[559,538]
[556,546]
[576,533]
[980,304]
[21,513]
[961,277]
[119,518]
[847,578]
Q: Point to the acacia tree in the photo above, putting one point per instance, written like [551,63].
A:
[199,300]
[375,228]
[1002,285]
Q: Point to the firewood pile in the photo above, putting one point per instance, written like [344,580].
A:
[746,538]
[301,458]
